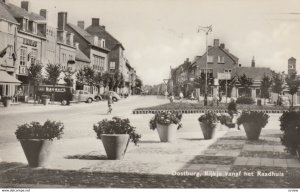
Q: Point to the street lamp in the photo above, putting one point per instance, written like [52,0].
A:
[206,30]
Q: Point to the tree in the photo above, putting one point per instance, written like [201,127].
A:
[121,84]
[89,75]
[138,83]
[278,82]
[98,79]
[80,79]
[246,83]
[53,72]
[265,87]
[293,83]
[200,82]
[35,76]
[68,76]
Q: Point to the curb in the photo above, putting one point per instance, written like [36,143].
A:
[193,111]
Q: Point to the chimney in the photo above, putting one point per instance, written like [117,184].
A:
[80,24]
[216,42]
[222,45]
[95,21]
[77,45]
[253,62]
[43,13]
[26,5]
[62,20]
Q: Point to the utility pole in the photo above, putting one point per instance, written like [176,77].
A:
[206,30]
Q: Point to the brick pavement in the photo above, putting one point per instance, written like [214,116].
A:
[231,155]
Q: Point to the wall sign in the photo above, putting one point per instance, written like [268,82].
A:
[29,42]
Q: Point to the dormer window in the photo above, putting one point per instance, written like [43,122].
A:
[96,40]
[102,43]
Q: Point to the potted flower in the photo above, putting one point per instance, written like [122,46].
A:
[36,140]
[166,123]
[45,99]
[253,122]
[6,101]
[226,120]
[115,135]
[290,126]
[208,123]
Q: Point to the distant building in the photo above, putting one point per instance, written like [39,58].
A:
[291,66]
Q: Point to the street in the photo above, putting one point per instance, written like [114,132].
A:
[77,118]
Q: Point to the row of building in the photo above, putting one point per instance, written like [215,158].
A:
[27,38]
[221,64]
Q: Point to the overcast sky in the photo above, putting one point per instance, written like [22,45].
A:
[158,34]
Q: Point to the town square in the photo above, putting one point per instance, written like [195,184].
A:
[111,94]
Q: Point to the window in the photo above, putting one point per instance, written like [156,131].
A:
[221,59]
[23,52]
[64,58]
[210,59]
[112,65]
[33,56]
[227,71]
[99,63]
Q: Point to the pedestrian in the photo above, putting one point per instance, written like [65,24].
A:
[109,102]
[181,96]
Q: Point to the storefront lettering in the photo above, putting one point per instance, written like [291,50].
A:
[51,89]
[30,42]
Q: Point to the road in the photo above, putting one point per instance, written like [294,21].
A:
[77,118]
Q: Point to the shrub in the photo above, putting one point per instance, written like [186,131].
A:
[209,118]
[245,100]
[166,118]
[232,107]
[260,119]
[34,130]
[116,126]
[290,125]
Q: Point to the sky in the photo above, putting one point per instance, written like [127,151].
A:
[159,34]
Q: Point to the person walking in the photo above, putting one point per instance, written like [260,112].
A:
[109,102]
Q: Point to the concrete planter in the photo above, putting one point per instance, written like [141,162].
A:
[252,130]
[208,132]
[115,145]
[167,133]
[37,151]
[6,102]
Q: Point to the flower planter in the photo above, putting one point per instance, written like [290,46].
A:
[37,151]
[6,102]
[167,133]
[115,145]
[252,130]
[208,132]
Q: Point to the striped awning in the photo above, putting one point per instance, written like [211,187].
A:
[6,78]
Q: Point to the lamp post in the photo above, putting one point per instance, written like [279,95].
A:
[206,30]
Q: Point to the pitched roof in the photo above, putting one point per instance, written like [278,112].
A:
[19,12]
[111,41]
[81,57]
[84,34]
[255,73]
[6,78]
[5,14]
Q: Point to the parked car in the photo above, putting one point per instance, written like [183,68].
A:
[115,96]
[80,95]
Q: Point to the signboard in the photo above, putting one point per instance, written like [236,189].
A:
[51,89]
[29,42]
[224,76]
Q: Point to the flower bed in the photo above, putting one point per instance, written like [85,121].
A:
[186,107]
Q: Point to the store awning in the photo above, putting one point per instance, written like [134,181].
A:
[6,78]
